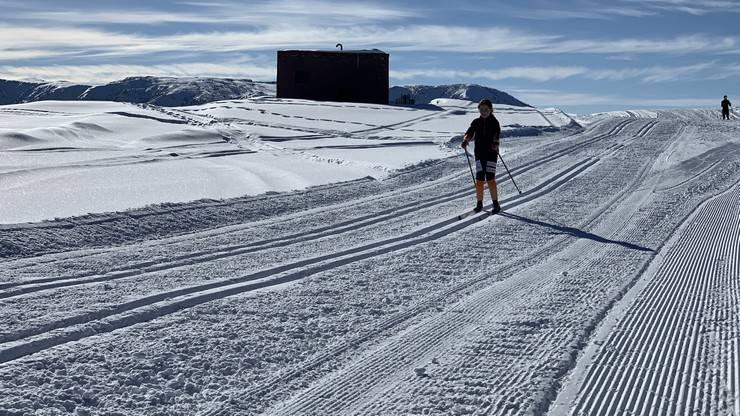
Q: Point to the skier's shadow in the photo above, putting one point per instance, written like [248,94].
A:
[575,232]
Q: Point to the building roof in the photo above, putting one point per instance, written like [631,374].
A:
[353,51]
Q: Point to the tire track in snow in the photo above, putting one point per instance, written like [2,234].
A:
[675,351]
[145,309]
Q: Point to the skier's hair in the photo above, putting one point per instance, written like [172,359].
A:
[486,102]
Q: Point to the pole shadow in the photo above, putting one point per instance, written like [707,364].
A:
[575,232]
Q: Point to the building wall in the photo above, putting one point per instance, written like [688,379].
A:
[333,76]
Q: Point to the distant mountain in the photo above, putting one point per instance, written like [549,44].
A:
[176,92]
[424,94]
[164,91]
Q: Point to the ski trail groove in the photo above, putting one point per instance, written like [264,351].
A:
[616,128]
[332,391]
[36,285]
[144,309]
[650,363]
[418,346]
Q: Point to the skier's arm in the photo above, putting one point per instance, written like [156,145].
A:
[469,135]
[496,138]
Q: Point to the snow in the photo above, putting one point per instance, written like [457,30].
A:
[63,159]
[590,118]
[610,286]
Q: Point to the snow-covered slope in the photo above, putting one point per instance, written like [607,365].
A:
[594,117]
[164,91]
[515,120]
[424,94]
[609,286]
[62,159]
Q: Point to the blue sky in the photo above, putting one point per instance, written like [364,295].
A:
[579,55]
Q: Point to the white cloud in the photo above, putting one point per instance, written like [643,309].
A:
[97,74]
[231,13]
[678,45]
[600,13]
[436,38]
[693,7]
[651,74]
[654,73]
[540,74]
[593,10]
[57,41]
[546,97]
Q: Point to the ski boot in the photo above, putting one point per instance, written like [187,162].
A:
[478,207]
[496,208]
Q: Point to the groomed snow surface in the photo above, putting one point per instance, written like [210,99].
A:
[61,159]
[610,286]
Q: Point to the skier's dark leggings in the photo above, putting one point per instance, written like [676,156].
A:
[725,114]
[485,170]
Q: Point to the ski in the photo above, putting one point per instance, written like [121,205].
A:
[466,215]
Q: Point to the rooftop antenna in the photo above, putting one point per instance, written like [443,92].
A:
[339,45]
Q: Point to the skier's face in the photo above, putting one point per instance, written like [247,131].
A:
[484,110]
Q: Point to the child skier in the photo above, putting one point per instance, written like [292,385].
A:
[486,131]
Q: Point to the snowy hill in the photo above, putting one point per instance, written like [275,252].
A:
[164,91]
[222,149]
[424,94]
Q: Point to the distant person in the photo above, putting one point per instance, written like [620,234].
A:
[486,131]
[726,104]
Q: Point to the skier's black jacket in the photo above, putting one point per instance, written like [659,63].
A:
[487,133]
[726,104]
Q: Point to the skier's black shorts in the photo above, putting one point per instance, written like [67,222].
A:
[485,170]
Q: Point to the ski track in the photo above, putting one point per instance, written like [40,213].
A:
[109,310]
[55,333]
[390,362]
[675,351]
[502,342]
[32,285]
[381,372]
[143,226]
[351,224]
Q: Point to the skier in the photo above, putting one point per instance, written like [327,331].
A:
[486,131]
[726,104]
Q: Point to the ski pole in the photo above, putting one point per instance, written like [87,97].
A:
[507,171]
[467,155]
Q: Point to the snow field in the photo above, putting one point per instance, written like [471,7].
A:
[378,301]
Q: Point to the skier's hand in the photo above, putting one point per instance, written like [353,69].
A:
[464,144]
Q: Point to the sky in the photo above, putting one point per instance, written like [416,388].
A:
[578,55]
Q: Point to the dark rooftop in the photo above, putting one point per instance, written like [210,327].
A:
[378,51]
